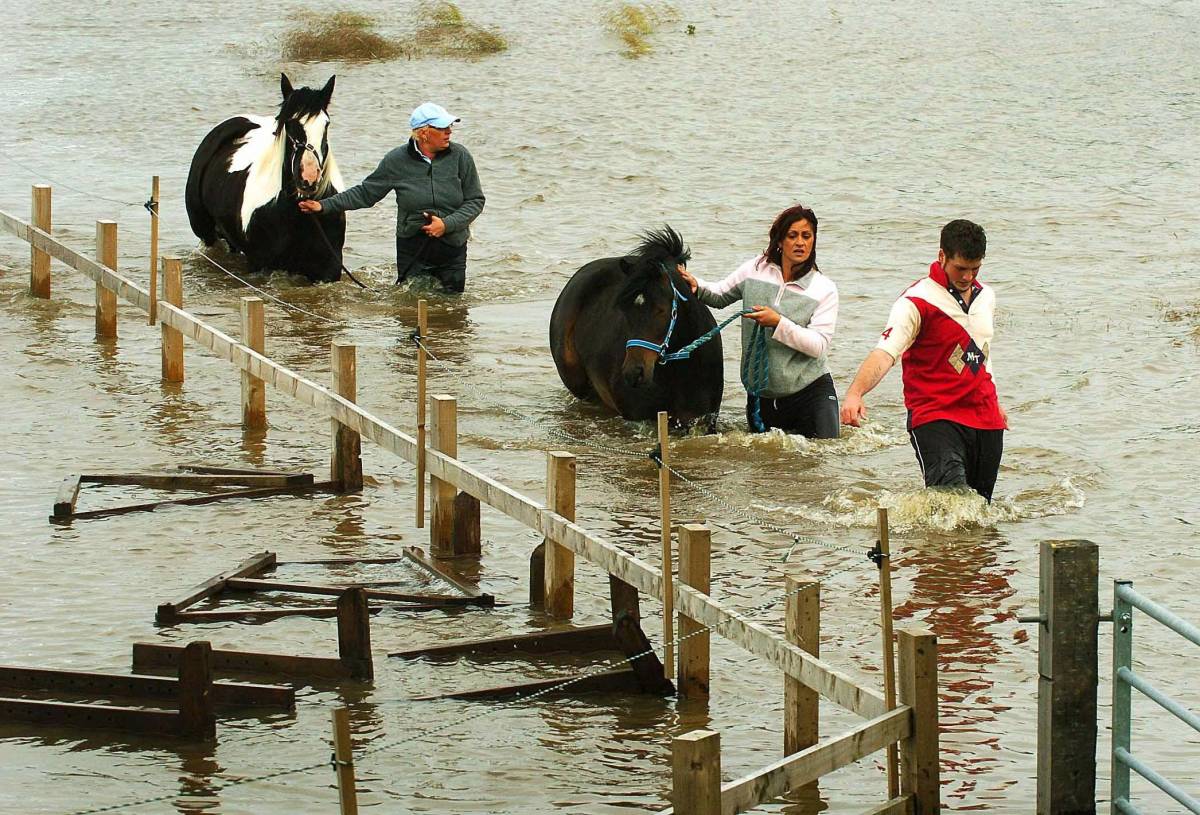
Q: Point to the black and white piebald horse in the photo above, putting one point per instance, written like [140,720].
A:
[248,174]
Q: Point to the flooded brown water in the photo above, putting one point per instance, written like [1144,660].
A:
[1068,131]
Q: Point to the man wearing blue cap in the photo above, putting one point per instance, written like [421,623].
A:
[437,197]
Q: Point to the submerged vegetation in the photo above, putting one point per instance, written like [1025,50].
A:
[343,35]
[444,31]
[441,30]
[634,23]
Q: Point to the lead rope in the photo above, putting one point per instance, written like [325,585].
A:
[754,375]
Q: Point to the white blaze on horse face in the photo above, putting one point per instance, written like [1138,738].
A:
[312,161]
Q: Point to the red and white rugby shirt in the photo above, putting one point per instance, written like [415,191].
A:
[945,351]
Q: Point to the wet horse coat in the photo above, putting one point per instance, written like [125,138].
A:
[612,301]
[248,175]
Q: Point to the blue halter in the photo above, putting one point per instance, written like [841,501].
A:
[661,348]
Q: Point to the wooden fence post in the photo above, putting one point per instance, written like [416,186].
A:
[695,570]
[422,332]
[106,301]
[343,757]
[1068,673]
[802,626]
[152,316]
[345,468]
[197,719]
[254,390]
[664,497]
[39,261]
[919,768]
[354,633]
[889,651]
[172,339]
[696,773]
[454,517]
[559,568]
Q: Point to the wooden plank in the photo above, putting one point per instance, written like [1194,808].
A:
[198,500]
[184,481]
[254,390]
[808,765]
[76,714]
[68,494]
[417,556]
[206,468]
[695,570]
[888,651]
[900,805]
[266,615]
[755,638]
[343,561]
[106,299]
[108,685]
[39,239]
[244,584]
[443,430]
[919,756]
[635,645]
[39,261]
[622,680]
[156,655]
[588,638]
[696,773]
[422,335]
[253,565]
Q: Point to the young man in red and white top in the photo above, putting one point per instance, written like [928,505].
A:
[941,331]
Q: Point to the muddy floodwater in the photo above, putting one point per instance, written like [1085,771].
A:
[1068,130]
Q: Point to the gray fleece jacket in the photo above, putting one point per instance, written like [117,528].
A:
[448,187]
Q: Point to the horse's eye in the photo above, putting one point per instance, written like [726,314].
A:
[640,300]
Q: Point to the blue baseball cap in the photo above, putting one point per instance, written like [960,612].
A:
[428,113]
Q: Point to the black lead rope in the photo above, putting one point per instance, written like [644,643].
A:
[332,251]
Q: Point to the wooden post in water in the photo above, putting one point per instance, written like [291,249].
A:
[106,301]
[1067,667]
[695,570]
[343,758]
[39,261]
[696,773]
[889,654]
[453,517]
[422,332]
[254,390]
[920,771]
[559,567]
[354,633]
[152,317]
[345,468]
[664,496]
[197,719]
[172,339]
[801,711]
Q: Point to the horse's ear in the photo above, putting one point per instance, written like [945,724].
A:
[327,92]
[285,86]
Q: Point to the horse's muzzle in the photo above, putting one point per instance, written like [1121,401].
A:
[638,368]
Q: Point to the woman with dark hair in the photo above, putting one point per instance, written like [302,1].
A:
[791,311]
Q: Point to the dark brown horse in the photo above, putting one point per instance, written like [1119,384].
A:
[617,329]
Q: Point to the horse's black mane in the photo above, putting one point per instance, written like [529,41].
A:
[301,103]
[660,250]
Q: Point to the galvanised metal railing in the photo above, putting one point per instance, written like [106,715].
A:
[1125,600]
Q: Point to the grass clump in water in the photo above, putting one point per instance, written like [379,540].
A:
[444,31]
[343,35]
[633,24]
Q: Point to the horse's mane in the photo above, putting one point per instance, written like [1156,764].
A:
[301,103]
[660,250]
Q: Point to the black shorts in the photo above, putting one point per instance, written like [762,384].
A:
[954,455]
[811,412]
[422,255]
